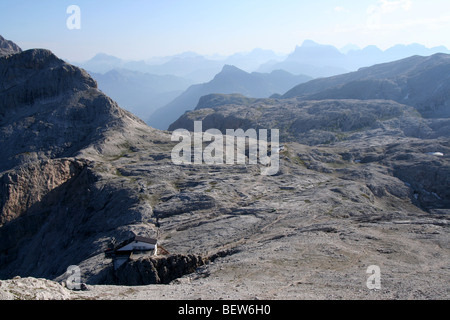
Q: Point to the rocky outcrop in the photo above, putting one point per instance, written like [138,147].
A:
[156,270]
[426,174]
[32,289]
[408,170]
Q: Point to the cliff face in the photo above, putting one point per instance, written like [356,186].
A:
[26,186]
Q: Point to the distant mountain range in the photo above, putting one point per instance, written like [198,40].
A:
[188,65]
[319,60]
[143,87]
[253,60]
[230,80]
[311,58]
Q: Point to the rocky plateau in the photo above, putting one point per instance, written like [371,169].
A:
[361,182]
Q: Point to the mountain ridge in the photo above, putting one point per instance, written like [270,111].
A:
[326,61]
[406,81]
[318,60]
[40,85]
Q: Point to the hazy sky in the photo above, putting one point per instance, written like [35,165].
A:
[140,29]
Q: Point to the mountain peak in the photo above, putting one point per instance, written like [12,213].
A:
[310,43]
[230,68]
[229,72]
[63,102]
[104,57]
[349,47]
[38,74]
[187,54]
[8,47]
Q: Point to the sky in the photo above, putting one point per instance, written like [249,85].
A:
[141,29]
